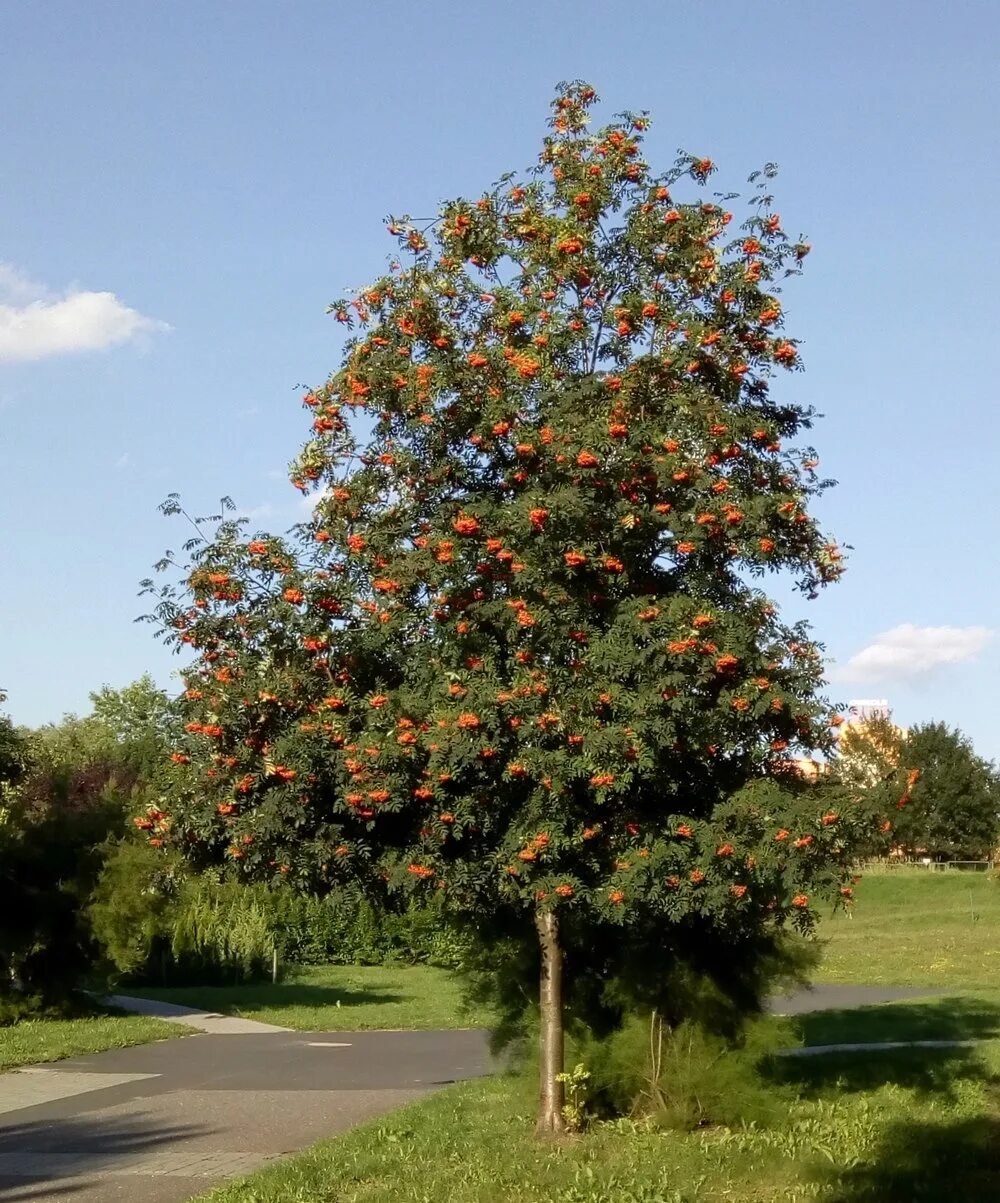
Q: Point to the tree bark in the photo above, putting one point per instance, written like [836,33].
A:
[552,1095]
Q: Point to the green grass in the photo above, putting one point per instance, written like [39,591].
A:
[34,1040]
[910,927]
[331,998]
[885,1139]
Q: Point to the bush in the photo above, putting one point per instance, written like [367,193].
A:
[345,928]
[153,920]
[47,866]
[687,1077]
[133,907]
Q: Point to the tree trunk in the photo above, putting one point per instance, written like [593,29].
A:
[552,1095]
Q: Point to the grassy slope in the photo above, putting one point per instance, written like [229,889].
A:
[334,998]
[915,928]
[34,1040]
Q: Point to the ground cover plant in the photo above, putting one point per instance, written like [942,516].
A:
[519,655]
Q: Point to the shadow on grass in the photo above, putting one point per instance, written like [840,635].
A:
[947,1018]
[924,1070]
[927,1070]
[926,1163]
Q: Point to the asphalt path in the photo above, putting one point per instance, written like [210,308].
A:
[836,998]
[162,1122]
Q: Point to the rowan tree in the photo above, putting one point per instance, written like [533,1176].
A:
[521,655]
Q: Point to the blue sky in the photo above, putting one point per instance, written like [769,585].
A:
[186,186]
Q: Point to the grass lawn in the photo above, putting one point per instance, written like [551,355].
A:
[331,998]
[34,1040]
[911,927]
[890,1128]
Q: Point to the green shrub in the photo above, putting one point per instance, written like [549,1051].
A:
[49,860]
[154,921]
[686,1076]
[132,908]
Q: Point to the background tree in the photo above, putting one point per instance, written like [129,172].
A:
[13,755]
[951,811]
[868,754]
[66,791]
[518,657]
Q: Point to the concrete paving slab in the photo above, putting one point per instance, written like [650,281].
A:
[137,1188]
[40,1084]
[212,1022]
[222,1134]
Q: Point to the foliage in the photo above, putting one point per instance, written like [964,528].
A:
[685,1076]
[155,922]
[867,753]
[576,1084]
[953,808]
[13,756]
[66,789]
[133,907]
[944,799]
[141,718]
[119,747]
[49,861]
[518,655]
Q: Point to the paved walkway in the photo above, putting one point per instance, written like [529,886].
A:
[835,998]
[205,1021]
[162,1122]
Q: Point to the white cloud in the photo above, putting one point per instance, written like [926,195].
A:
[254,512]
[310,501]
[124,460]
[36,324]
[909,651]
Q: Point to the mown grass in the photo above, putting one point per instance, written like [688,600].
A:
[911,927]
[331,998]
[31,1041]
[886,1139]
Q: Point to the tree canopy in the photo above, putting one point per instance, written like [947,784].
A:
[521,655]
[952,809]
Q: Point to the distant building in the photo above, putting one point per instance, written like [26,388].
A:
[863,710]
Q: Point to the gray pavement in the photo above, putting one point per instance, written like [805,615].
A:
[162,1122]
[835,998]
